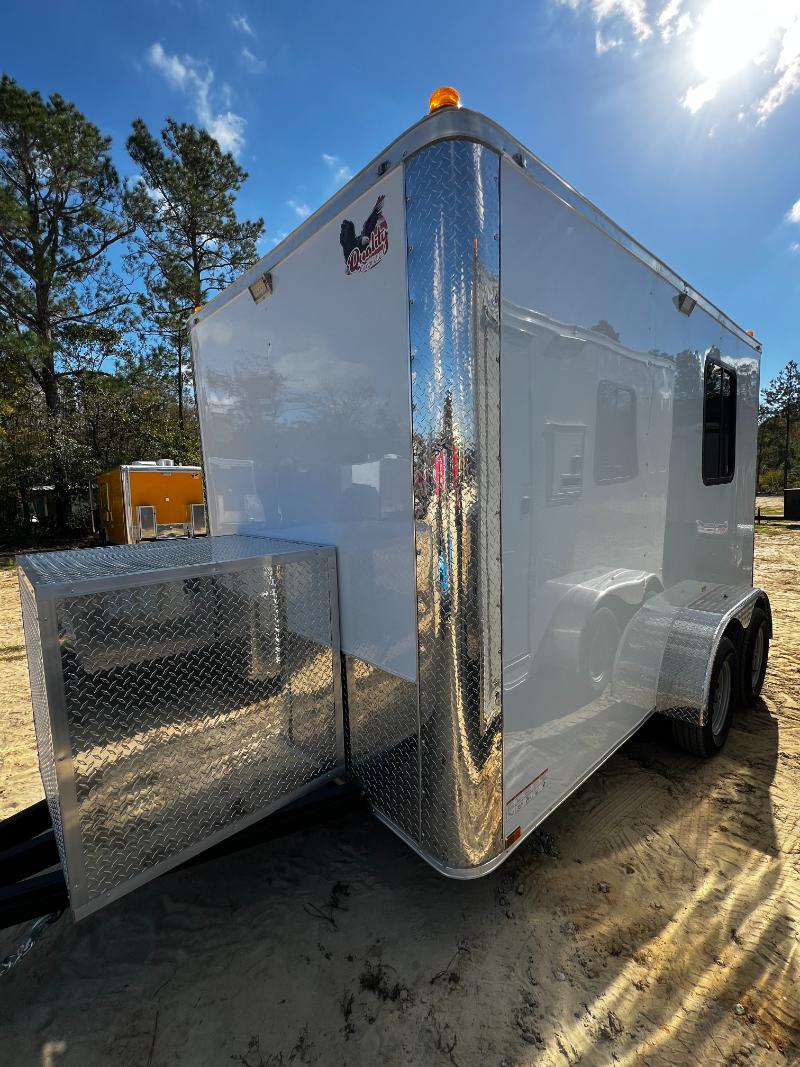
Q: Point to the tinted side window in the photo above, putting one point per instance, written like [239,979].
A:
[615,452]
[719,424]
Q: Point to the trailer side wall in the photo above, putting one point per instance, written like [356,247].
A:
[304,403]
[170,491]
[603,496]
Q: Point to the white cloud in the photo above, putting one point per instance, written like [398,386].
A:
[195,79]
[673,20]
[669,12]
[239,22]
[174,70]
[788,67]
[137,180]
[300,209]
[340,171]
[721,37]
[793,214]
[795,246]
[605,44]
[632,12]
[786,86]
[699,95]
[227,129]
[252,62]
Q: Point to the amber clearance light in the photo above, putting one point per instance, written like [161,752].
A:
[446,96]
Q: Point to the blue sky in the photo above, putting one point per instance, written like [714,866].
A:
[679,118]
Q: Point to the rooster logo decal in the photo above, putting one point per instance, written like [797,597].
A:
[366,249]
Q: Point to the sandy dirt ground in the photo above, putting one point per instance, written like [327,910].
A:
[654,919]
[20,784]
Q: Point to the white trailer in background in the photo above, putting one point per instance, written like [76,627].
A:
[532,447]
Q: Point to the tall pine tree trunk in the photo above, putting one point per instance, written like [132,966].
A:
[786,449]
[52,399]
[180,383]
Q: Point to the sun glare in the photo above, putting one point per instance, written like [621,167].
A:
[732,33]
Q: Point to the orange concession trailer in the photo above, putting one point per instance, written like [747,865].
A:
[149,501]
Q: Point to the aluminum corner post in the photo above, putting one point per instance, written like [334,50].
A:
[453,231]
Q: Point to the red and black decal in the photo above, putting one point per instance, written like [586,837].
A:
[366,249]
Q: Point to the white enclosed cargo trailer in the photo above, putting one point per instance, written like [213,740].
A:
[532,447]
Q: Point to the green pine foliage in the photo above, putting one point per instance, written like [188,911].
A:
[96,284]
[779,432]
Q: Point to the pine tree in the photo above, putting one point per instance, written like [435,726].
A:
[62,307]
[189,243]
[782,402]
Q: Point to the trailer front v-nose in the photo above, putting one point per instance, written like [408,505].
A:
[514,457]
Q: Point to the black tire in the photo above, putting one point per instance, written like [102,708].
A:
[755,653]
[599,643]
[707,740]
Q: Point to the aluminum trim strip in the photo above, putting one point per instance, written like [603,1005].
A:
[153,577]
[447,124]
[159,470]
[336,654]
[127,564]
[127,517]
[40,701]
[74,866]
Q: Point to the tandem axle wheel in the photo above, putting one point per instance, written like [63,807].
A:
[736,674]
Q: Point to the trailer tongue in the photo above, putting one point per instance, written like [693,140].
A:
[480,475]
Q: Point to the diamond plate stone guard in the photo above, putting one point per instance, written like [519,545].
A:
[191,699]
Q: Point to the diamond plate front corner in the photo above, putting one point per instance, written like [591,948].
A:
[194,684]
[453,231]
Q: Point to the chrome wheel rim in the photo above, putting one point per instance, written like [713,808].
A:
[722,697]
[758,658]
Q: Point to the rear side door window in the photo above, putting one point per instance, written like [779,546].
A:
[719,424]
[615,438]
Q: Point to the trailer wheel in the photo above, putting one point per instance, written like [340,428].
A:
[708,740]
[599,644]
[755,652]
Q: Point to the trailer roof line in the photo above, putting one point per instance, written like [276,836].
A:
[447,124]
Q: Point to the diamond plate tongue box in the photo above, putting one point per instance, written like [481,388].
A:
[181,691]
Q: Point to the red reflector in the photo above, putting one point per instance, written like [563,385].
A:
[513,836]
